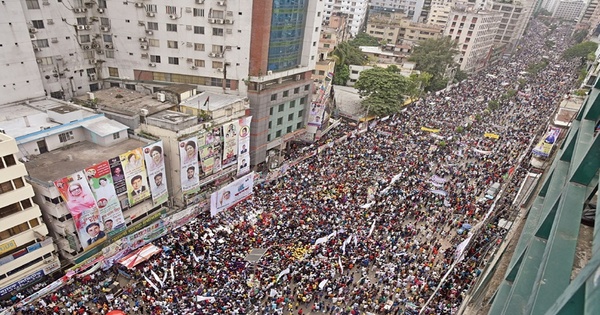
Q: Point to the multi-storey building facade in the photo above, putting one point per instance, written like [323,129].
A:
[569,9]
[413,10]
[394,29]
[515,16]
[27,253]
[474,32]
[354,10]
[438,14]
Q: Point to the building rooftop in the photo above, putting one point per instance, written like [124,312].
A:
[215,101]
[348,100]
[178,88]
[20,119]
[75,157]
[567,110]
[129,103]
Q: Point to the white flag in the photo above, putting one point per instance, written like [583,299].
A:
[172,273]
[283,273]
[372,228]
[156,277]
[341,266]
[355,241]
[321,240]
[151,283]
[346,242]
[322,284]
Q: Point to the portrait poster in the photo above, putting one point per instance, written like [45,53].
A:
[230,137]
[80,201]
[101,181]
[135,176]
[207,152]
[231,194]
[315,114]
[243,165]
[118,175]
[155,165]
[189,173]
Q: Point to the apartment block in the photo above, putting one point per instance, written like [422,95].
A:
[27,252]
[394,29]
[569,9]
[354,10]
[515,16]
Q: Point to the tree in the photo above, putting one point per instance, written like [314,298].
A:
[579,36]
[364,39]
[344,56]
[580,50]
[460,76]
[382,91]
[434,56]
[418,83]
[342,74]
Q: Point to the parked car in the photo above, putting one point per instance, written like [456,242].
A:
[492,191]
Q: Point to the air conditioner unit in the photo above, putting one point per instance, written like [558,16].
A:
[87,27]
[100,10]
[32,36]
[150,14]
[219,69]
[46,2]
[36,49]
[33,30]
[39,60]
[151,65]
[92,77]
[188,10]
[54,40]
[222,3]
[59,57]
[143,39]
[161,97]
[227,47]
[228,21]
[105,28]
[109,46]
[81,27]
[188,27]
[80,10]
[212,54]
[100,52]
[85,47]
[173,17]
[190,60]
[219,21]
[269,72]
[92,61]
[144,56]
[193,67]
[144,47]
[199,1]
[139,5]
[297,77]
[149,32]
[50,22]
[190,44]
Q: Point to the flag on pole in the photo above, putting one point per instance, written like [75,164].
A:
[151,283]
[205,105]
[341,266]
[372,228]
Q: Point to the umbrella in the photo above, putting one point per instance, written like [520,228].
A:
[466,226]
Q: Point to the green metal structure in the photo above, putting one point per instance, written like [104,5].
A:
[538,279]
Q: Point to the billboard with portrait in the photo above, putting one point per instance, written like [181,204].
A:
[135,176]
[155,165]
[243,165]
[231,194]
[230,141]
[188,154]
[118,175]
[101,182]
[315,115]
[80,201]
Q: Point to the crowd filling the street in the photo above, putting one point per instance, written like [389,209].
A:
[392,219]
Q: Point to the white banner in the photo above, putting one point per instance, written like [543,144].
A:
[231,194]
[243,165]
[188,154]
[155,166]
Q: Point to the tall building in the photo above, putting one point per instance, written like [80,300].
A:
[474,32]
[413,10]
[355,10]
[394,29]
[569,9]
[265,50]
[590,17]
[438,14]
[27,253]
[515,16]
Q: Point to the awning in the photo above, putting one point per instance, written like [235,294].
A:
[140,255]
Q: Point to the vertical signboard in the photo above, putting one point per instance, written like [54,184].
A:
[135,176]
[188,154]
[101,181]
[243,165]
[230,137]
[118,175]
[155,165]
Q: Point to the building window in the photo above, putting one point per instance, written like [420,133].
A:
[307,87]
[278,134]
[66,136]
[301,113]
[84,38]
[152,8]
[46,61]
[113,72]
[279,121]
[286,93]
[289,129]
[18,182]
[273,97]
[303,101]
[155,58]
[217,31]
[217,65]
[116,136]
[32,4]
[6,187]
[110,54]
[170,9]
[292,103]
[297,90]
[171,27]
[34,222]
[26,203]
[40,43]
[198,12]
[10,209]
[174,60]
[270,112]
[38,24]
[198,47]
[299,125]
[82,21]
[198,29]
[153,26]
[199,63]
[280,108]
[153,42]
[107,38]
[172,44]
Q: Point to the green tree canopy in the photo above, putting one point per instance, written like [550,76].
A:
[580,50]
[382,90]
[579,36]
[418,83]
[364,39]
[434,56]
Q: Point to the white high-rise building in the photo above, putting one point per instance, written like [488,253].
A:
[412,9]
[569,10]
[27,253]
[354,10]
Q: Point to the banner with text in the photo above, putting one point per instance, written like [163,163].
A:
[230,142]
[101,181]
[80,201]
[544,147]
[243,166]
[188,154]
[135,176]
[231,194]
[118,175]
[155,165]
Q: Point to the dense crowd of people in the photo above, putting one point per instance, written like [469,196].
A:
[368,225]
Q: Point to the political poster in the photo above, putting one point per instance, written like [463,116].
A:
[544,147]
[315,115]
[243,165]
[101,182]
[135,176]
[118,175]
[231,194]
[155,165]
[188,153]
[75,190]
[230,143]
[207,143]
